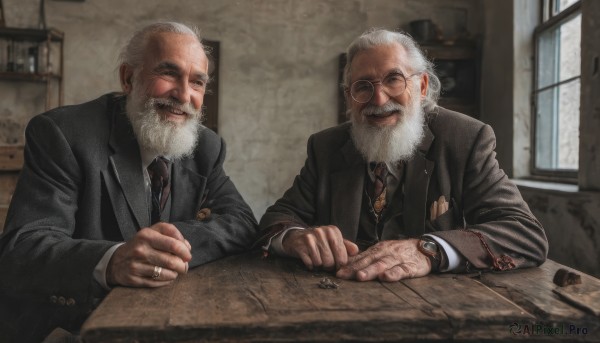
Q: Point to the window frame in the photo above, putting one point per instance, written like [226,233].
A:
[549,22]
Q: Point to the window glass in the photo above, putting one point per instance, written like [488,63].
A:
[557,94]
[557,127]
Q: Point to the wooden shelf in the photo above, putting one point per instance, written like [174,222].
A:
[31,34]
[19,76]
[11,157]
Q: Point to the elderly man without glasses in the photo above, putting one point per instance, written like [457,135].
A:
[128,189]
[405,188]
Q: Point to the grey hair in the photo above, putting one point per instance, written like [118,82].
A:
[133,52]
[416,59]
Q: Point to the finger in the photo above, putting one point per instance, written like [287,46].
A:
[375,269]
[394,274]
[337,247]
[355,264]
[158,273]
[170,245]
[311,249]
[351,248]
[323,242]
[171,230]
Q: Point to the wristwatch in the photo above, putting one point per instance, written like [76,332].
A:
[430,248]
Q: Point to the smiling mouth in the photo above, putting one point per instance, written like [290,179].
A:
[171,109]
[382,114]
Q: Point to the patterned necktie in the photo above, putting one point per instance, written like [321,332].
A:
[158,171]
[378,201]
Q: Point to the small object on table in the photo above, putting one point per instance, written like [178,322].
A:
[564,278]
[326,283]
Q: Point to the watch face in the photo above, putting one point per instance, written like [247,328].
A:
[430,246]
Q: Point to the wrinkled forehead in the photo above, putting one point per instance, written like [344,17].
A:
[175,47]
[378,61]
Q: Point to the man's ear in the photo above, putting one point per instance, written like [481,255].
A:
[424,85]
[126,77]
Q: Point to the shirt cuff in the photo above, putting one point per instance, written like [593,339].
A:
[453,257]
[100,269]
[275,244]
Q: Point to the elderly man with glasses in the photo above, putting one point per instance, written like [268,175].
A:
[406,187]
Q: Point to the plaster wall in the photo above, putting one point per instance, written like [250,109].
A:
[278,66]
[572,223]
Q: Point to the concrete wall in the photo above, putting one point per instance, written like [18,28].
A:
[278,74]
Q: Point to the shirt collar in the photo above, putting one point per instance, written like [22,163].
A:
[148,156]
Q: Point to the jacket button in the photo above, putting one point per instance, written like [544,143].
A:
[203,214]
[62,301]
[70,302]
[53,299]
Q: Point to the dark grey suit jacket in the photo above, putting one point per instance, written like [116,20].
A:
[82,189]
[488,222]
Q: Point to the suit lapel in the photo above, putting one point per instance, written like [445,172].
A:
[126,165]
[416,184]
[186,189]
[346,191]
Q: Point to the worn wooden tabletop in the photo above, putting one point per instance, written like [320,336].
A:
[248,298]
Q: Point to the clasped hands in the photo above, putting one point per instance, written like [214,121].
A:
[391,260]
[324,247]
[136,263]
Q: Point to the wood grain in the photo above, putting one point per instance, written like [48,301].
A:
[247,298]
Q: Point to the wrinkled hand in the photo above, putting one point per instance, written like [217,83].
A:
[387,261]
[161,245]
[323,246]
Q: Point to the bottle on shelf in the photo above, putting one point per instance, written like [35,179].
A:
[10,56]
[32,60]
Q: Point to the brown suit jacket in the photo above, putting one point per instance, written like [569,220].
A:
[488,222]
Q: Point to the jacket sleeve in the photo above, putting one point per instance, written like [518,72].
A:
[40,259]
[229,228]
[500,231]
[297,206]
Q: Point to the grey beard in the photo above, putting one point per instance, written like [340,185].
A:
[391,143]
[159,135]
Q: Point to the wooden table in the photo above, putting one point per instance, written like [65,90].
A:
[248,298]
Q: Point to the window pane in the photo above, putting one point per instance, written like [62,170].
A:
[548,58]
[557,127]
[545,125]
[568,125]
[561,5]
[559,53]
[570,48]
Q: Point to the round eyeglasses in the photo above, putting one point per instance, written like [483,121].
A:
[394,84]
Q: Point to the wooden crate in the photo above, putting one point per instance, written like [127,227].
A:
[11,162]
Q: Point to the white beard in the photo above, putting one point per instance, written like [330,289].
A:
[390,143]
[159,135]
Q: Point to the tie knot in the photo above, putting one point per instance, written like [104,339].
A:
[379,170]
[159,172]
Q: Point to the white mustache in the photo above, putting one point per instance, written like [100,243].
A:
[187,107]
[389,106]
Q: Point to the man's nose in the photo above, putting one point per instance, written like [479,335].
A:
[380,95]
[182,92]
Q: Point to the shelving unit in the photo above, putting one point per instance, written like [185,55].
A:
[458,68]
[47,71]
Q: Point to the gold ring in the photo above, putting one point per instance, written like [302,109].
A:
[157,271]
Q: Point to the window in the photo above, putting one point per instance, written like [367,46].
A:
[557,89]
